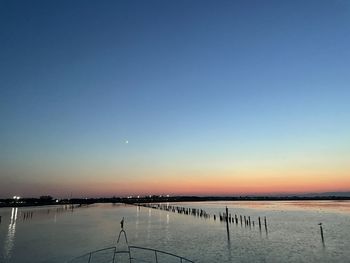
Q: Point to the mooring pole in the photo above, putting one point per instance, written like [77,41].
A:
[321,230]
[227,227]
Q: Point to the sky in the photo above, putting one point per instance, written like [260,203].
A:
[185,97]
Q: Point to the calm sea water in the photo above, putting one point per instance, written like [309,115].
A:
[52,234]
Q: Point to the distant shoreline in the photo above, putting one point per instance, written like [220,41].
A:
[26,202]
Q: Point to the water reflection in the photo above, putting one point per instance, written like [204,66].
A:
[149,224]
[167,232]
[9,241]
[229,250]
[293,236]
[338,206]
[137,222]
[228,232]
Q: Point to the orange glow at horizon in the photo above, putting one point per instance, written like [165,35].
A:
[246,183]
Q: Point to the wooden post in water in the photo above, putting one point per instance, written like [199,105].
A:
[259,223]
[226,216]
[265,223]
[321,229]
[227,228]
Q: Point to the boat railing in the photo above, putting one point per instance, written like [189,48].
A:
[133,254]
[91,256]
[158,254]
[128,253]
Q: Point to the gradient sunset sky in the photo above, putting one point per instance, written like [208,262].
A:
[213,97]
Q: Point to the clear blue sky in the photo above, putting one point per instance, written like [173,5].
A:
[198,88]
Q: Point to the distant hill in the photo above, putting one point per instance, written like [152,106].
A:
[340,194]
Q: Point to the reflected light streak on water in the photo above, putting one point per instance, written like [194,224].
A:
[137,221]
[149,224]
[167,232]
[10,238]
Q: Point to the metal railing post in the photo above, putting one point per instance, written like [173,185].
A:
[115,250]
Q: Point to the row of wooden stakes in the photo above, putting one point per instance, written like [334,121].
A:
[246,220]
[225,217]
